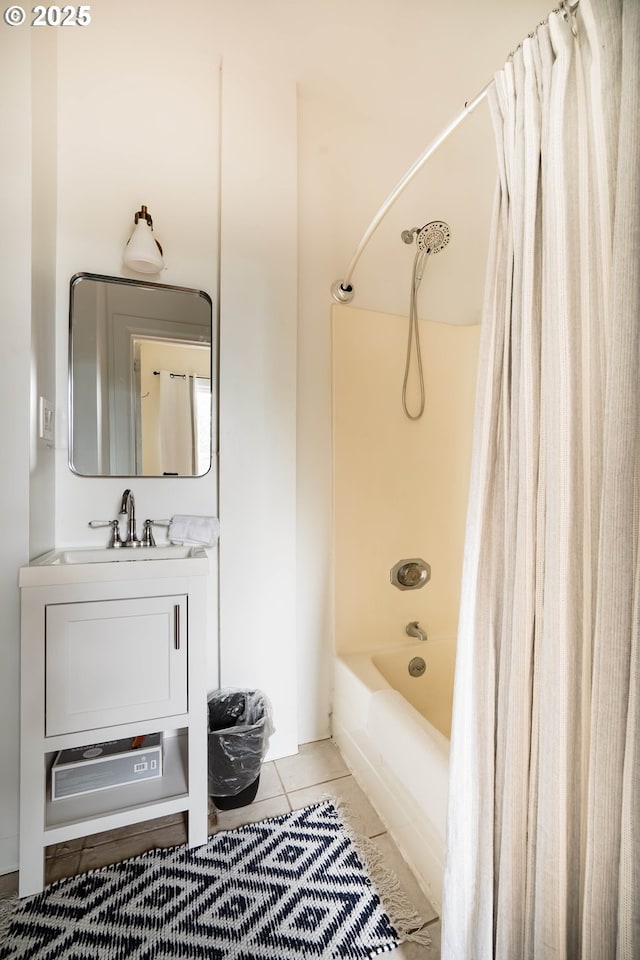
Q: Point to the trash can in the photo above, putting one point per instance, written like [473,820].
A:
[240,725]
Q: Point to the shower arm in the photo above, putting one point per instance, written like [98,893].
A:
[342,290]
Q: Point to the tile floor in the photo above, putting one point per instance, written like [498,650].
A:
[315,772]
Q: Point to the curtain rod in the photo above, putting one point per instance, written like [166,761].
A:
[181,376]
[342,290]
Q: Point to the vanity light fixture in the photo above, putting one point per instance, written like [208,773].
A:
[143,253]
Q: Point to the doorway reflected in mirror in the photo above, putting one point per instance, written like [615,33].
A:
[174,422]
[142,393]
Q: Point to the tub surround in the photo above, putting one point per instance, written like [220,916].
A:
[400,490]
[400,487]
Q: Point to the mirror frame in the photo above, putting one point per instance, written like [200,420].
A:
[213,372]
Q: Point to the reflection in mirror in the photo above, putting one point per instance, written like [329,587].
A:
[141,360]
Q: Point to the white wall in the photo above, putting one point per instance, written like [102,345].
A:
[133,131]
[15,297]
[258,389]
[44,68]
[152,135]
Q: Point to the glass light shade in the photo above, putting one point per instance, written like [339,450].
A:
[142,253]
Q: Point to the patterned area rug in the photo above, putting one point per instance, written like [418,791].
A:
[289,888]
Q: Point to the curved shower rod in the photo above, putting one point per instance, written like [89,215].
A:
[342,290]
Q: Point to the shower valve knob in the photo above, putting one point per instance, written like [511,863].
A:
[410,574]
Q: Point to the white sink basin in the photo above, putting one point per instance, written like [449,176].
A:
[125,554]
[123,563]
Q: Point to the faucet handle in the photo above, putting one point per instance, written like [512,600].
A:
[148,539]
[115,540]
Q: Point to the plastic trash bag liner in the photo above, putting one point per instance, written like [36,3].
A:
[240,725]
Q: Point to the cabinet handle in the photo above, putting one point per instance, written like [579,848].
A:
[176,625]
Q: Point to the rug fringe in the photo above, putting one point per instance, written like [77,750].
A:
[406,920]
[7,906]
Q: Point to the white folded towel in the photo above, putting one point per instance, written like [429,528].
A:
[194,531]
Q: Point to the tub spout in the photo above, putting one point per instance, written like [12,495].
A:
[414,629]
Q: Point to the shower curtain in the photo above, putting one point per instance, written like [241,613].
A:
[543,847]
[176,424]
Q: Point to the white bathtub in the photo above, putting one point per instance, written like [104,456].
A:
[393,731]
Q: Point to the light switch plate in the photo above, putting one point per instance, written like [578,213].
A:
[45,420]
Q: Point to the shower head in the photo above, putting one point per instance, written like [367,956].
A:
[433,237]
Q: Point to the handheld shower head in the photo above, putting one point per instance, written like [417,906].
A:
[433,237]
[419,265]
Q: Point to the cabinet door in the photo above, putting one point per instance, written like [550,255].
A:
[115,661]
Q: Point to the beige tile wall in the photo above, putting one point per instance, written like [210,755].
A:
[400,486]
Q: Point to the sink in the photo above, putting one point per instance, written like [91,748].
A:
[86,565]
[125,554]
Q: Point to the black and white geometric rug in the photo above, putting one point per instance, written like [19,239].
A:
[289,888]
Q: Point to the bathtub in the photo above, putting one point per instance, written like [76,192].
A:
[393,731]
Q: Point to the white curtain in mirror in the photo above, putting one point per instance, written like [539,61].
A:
[176,424]
[201,406]
[184,423]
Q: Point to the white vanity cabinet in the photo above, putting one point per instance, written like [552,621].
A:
[111,651]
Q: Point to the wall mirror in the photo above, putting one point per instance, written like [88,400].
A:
[142,368]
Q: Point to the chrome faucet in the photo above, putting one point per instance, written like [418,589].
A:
[413,629]
[128,508]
